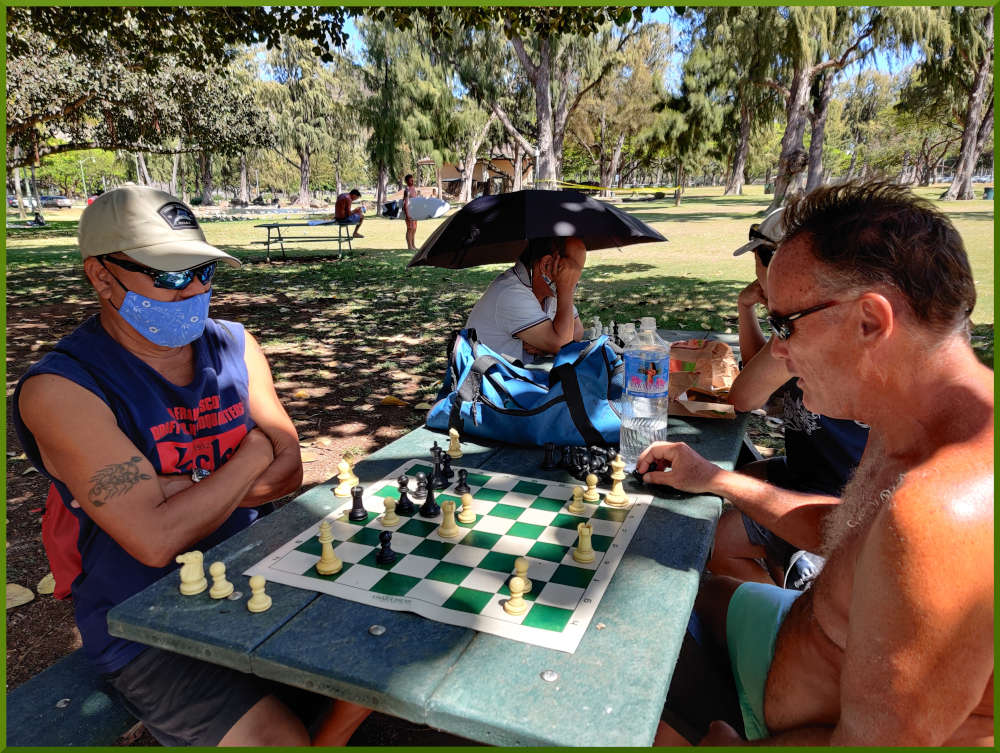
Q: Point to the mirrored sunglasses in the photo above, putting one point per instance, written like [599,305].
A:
[168,280]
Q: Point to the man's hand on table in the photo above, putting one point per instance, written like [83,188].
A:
[681,467]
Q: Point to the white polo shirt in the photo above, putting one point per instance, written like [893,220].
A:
[508,307]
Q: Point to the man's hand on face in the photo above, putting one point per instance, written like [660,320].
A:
[566,274]
[751,295]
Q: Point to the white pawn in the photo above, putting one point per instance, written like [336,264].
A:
[591,495]
[454,450]
[521,571]
[192,573]
[576,505]
[390,518]
[584,551]
[617,497]
[221,588]
[449,528]
[355,481]
[259,601]
[344,477]
[516,604]
[468,515]
[329,563]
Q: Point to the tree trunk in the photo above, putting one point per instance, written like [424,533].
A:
[173,173]
[518,167]
[609,167]
[17,192]
[793,159]
[37,196]
[545,170]
[821,110]
[971,149]
[144,177]
[340,184]
[734,185]
[244,195]
[305,168]
[680,185]
[383,179]
[465,191]
[205,158]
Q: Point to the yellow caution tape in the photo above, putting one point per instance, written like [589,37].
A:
[591,187]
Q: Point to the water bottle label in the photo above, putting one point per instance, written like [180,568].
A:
[647,377]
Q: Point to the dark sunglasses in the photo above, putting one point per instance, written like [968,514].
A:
[765,253]
[782,325]
[169,280]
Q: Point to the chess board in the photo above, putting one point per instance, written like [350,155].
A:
[463,581]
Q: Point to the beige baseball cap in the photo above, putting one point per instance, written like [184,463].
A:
[151,226]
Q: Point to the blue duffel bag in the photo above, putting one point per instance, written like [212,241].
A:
[575,403]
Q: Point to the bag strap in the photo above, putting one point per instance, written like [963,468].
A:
[566,374]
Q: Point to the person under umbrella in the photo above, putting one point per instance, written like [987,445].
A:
[528,310]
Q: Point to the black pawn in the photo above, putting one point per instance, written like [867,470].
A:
[405,505]
[437,481]
[430,508]
[358,511]
[421,491]
[446,470]
[462,487]
[385,555]
[550,460]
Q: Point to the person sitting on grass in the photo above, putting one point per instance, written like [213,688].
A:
[161,432]
[821,452]
[870,294]
[343,210]
[528,310]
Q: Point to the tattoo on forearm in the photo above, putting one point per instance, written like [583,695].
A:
[113,480]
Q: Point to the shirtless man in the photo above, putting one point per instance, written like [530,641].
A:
[344,211]
[409,192]
[870,294]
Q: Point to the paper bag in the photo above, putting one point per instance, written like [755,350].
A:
[701,373]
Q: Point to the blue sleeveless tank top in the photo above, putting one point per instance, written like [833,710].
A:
[177,428]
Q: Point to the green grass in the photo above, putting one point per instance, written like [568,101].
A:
[320,316]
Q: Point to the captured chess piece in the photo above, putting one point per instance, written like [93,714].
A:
[385,555]
[468,515]
[462,487]
[454,450]
[329,563]
[521,571]
[576,505]
[221,588]
[390,518]
[405,505]
[420,493]
[549,462]
[358,511]
[584,550]
[591,495]
[516,604]
[193,579]
[429,509]
[617,497]
[344,475]
[259,601]
[449,528]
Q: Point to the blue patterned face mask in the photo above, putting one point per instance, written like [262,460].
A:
[167,323]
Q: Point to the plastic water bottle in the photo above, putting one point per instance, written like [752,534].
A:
[645,402]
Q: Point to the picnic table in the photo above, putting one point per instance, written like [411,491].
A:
[609,692]
[274,235]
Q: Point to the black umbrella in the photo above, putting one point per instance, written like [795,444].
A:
[497,228]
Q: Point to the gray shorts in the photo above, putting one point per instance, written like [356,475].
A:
[185,701]
[775,548]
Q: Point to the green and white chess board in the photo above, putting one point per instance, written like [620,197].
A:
[463,580]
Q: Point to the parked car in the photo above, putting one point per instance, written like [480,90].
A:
[982,179]
[56,202]
[28,203]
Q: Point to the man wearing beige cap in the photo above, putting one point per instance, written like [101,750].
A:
[161,432]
